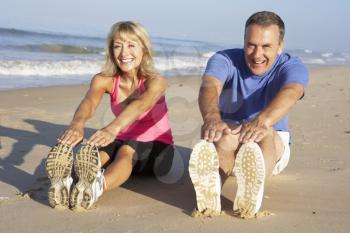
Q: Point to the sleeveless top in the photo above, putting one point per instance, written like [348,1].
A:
[152,125]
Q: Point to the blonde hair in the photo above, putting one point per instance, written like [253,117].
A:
[129,29]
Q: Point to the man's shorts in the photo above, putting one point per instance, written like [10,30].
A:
[283,162]
[153,158]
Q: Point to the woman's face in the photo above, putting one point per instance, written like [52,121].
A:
[128,53]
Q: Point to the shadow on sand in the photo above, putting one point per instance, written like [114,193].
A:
[174,189]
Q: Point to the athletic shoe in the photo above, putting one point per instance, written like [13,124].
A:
[87,166]
[58,165]
[250,172]
[204,173]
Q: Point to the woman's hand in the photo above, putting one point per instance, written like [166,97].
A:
[72,136]
[103,137]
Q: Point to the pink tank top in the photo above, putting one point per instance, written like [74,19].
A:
[152,125]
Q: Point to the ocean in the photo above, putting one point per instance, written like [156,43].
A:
[36,59]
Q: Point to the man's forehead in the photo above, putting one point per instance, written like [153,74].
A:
[262,31]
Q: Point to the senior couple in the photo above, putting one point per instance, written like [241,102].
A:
[245,97]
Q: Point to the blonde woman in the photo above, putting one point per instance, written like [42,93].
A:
[138,140]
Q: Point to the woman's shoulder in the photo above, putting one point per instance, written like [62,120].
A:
[155,84]
[104,76]
[104,81]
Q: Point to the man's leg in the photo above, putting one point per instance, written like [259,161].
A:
[272,148]
[254,163]
[204,173]
[226,148]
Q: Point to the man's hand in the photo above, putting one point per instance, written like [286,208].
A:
[213,129]
[253,131]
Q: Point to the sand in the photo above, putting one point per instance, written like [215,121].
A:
[311,195]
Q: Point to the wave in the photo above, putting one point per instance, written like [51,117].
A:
[59,48]
[20,33]
[49,68]
[166,65]
[314,61]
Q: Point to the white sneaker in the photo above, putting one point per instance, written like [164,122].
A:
[97,187]
[204,173]
[250,172]
[58,166]
[87,166]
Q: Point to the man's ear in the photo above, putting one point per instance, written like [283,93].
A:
[280,47]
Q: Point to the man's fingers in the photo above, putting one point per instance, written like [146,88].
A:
[218,135]
[259,137]
[205,134]
[211,135]
[236,130]
[253,136]
[242,136]
[227,131]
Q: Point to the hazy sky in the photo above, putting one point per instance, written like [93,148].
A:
[310,24]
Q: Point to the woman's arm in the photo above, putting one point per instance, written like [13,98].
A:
[154,90]
[86,109]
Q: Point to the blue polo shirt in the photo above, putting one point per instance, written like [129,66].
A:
[245,95]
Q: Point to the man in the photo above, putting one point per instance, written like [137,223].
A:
[244,100]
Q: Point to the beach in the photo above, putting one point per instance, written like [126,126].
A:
[311,195]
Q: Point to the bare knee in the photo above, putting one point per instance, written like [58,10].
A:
[120,169]
[126,152]
[227,143]
[226,148]
[272,148]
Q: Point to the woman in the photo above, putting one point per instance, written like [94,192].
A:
[138,140]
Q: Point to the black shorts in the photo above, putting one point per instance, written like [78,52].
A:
[153,158]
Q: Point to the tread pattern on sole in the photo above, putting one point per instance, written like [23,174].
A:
[250,173]
[204,173]
[58,166]
[86,166]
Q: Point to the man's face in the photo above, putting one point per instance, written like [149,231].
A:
[261,47]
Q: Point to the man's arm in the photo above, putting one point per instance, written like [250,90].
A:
[280,106]
[208,100]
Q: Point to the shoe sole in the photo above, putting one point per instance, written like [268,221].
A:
[58,166]
[86,166]
[204,170]
[250,173]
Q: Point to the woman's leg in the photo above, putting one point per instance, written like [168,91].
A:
[119,171]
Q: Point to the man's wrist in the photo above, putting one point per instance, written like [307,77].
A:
[265,121]
[212,116]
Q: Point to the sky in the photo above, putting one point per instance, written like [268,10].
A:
[310,24]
